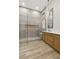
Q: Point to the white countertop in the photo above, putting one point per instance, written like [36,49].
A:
[52,32]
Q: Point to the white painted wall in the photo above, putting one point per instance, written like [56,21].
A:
[55,4]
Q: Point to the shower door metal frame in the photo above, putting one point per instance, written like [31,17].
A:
[26,25]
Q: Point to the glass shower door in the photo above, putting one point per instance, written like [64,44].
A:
[33,25]
[29,25]
[22,24]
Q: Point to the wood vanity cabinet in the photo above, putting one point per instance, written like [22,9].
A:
[57,42]
[52,39]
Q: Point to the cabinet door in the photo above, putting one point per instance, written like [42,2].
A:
[50,40]
[43,36]
[57,43]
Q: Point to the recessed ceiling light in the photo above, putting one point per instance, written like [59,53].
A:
[23,3]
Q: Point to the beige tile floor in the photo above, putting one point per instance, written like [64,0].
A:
[37,50]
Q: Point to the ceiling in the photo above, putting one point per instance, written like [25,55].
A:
[33,4]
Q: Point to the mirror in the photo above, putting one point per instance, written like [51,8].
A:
[43,24]
[43,21]
[50,19]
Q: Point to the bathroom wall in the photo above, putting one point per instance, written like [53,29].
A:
[55,4]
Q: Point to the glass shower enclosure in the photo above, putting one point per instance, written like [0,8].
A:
[29,24]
